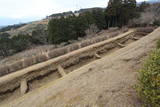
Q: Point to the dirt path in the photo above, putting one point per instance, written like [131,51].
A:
[107,82]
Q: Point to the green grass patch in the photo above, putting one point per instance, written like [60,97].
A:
[149,81]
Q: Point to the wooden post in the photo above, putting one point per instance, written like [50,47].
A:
[97,56]
[61,70]
[121,45]
[134,38]
[23,86]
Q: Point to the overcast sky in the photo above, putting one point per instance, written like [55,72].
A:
[19,11]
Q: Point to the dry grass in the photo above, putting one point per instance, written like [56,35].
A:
[29,27]
[109,79]
[76,58]
[43,53]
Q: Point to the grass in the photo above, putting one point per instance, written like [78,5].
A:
[148,87]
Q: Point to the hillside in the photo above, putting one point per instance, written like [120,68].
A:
[86,58]
[29,28]
[42,24]
[55,50]
[104,82]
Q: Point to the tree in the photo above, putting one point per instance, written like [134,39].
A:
[55,28]
[99,18]
[71,27]
[87,18]
[21,42]
[39,37]
[113,12]
[119,12]
[64,29]
[5,44]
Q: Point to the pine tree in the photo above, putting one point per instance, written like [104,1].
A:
[119,12]
[99,18]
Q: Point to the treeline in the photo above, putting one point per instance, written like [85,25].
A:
[72,27]
[117,14]
[7,28]
[62,29]
[61,14]
[11,45]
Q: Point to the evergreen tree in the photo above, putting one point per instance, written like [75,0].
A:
[119,12]
[88,18]
[21,42]
[113,12]
[72,27]
[64,29]
[5,44]
[80,26]
[99,18]
[39,37]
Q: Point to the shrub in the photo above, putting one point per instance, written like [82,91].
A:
[149,80]
[39,34]
[5,45]
[21,42]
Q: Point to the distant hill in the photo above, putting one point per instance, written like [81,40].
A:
[151,1]
[1,27]
[10,27]
[70,13]
[89,9]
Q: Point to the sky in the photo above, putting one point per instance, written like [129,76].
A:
[21,11]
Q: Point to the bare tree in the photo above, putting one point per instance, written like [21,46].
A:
[148,17]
